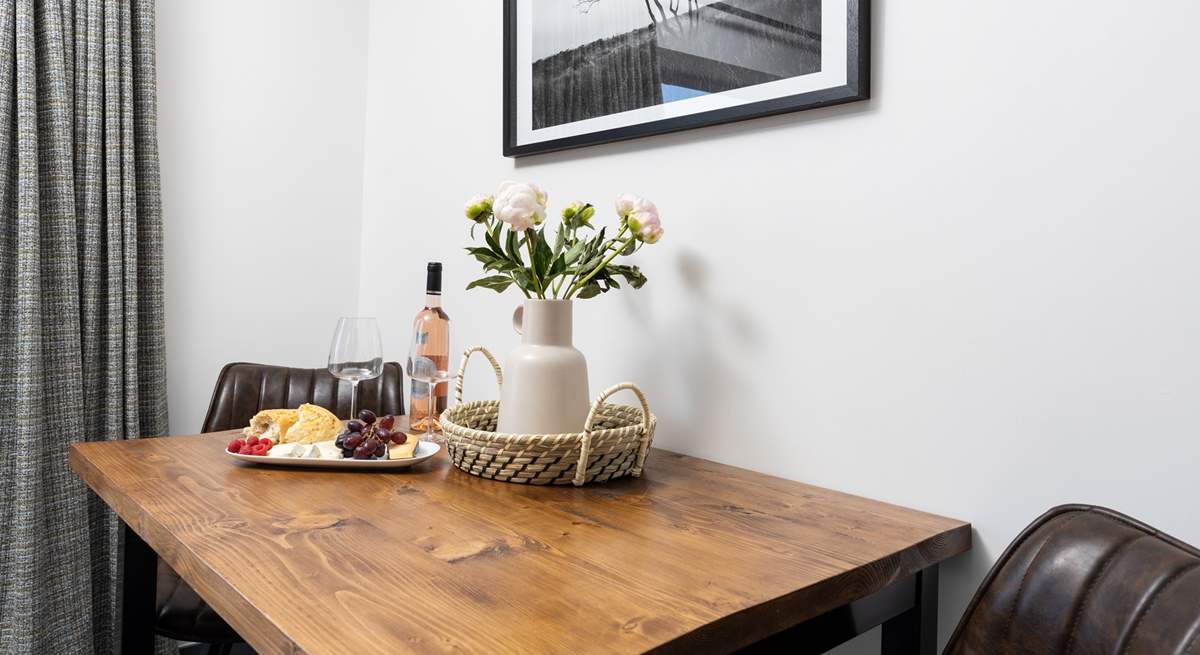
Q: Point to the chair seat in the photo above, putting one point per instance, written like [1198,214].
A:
[183,615]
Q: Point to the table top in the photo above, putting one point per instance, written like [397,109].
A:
[693,555]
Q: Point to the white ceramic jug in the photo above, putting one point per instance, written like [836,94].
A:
[545,387]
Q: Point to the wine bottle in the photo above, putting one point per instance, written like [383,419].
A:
[431,329]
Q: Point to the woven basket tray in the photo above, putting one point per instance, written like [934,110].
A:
[613,443]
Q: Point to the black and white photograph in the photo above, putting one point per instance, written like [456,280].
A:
[579,72]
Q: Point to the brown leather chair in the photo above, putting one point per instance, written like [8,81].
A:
[242,391]
[1086,580]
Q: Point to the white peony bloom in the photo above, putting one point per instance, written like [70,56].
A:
[520,204]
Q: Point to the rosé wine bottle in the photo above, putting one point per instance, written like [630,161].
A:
[431,350]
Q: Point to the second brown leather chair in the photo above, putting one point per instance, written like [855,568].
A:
[1086,580]
[242,391]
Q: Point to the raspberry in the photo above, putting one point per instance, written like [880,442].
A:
[235,445]
[267,442]
[246,450]
[252,441]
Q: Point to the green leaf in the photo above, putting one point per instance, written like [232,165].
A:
[541,255]
[588,265]
[484,255]
[573,254]
[522,276]
[513,246]
[496,283]
[493,242]
[504,266]
[629,248]
[632,274]
[560,240]
[589,290]
[558,267]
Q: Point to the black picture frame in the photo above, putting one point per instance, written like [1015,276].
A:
[857,87]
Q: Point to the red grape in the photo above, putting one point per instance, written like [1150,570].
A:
[366,416]
[387,422]
[354,441]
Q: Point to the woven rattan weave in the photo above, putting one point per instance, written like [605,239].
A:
[613,443]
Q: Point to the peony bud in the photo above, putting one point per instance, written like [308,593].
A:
[521,205]
[578,213]
[479,208]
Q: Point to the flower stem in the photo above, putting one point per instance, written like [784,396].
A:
[578,285]
[537,284]
[563,278]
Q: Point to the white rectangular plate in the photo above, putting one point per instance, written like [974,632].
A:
[424,451]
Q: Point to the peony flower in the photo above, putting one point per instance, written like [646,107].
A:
[647,226]
[641,216]
[626,204]
[479,208]
[521,205]
[580,211]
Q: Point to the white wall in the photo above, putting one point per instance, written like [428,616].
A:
[973,294]
[261,131]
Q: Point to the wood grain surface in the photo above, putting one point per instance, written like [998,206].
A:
[693,557]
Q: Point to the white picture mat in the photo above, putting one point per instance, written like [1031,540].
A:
[832,74]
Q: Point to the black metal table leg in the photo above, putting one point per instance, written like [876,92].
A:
[914,632]
[139,577]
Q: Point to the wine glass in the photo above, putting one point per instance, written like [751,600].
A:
[429,364]
[356,353]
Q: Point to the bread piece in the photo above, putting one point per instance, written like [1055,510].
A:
[316,424]
[404,451]
[272,424]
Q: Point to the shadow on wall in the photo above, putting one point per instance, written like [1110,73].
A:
[697,362]
[698,367]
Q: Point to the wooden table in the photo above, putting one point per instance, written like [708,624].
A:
[695,557]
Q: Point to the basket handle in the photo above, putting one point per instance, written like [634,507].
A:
[586,446]
[462,370]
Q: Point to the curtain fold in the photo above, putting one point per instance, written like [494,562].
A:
[82,354]
[596,79]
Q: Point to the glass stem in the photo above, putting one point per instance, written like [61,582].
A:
[429,434]
[353,398]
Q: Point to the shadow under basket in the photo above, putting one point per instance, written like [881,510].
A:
[613,443]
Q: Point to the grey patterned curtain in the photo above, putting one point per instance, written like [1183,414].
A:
[81,334]
[596,79]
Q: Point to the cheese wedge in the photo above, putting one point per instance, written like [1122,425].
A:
[316,424]
[326,450]
[406,450]
[283,450]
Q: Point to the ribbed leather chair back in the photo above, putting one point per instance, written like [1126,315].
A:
[245,389]
[1086,580]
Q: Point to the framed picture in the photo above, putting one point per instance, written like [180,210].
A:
[582,72]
